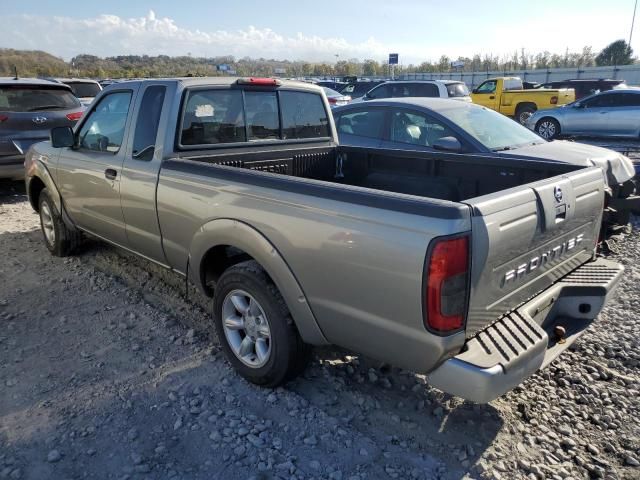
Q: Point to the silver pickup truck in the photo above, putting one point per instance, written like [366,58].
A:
[475,270]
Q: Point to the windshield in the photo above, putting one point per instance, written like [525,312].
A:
[26,98]
[82,90]
[457,90]
[491,129]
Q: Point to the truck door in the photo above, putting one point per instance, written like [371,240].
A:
[89,173]
[140,174]
[486,95]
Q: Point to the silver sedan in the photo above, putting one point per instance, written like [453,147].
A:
[615,113]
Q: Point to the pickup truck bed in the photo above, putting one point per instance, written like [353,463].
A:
[408,257]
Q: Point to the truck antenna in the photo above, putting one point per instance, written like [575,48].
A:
[15,71]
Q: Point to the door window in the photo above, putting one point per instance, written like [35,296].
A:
[487,87]
[103,130]
[362,123]
[417,128]
[423,90]
[144,139]
[379,92]
[599,101]
[625,100]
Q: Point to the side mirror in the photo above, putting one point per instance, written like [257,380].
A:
[578,105]
[62,137]
[475,90]
[448,144]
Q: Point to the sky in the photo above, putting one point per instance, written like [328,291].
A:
[326,30]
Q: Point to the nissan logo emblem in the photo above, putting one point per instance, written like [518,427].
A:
[557,193]
[39,120]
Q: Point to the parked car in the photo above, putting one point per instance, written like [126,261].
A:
[240,186]
[615,113]
[508,96]
[83,88]
[430,124]
[419,88]
[336,99]
[586,86]
[29,108]
[337,86]
[358,89]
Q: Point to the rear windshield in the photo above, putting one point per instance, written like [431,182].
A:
[457,90]
[24,98]
[218,116]
[82,90]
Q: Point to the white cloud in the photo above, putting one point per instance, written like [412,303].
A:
[107,35]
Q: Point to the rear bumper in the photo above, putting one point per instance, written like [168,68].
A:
[503,355]
[12,167]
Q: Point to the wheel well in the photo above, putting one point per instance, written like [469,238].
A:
[35,187]
[216,261]
[522,105]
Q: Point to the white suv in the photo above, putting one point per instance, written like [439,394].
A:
[453,89]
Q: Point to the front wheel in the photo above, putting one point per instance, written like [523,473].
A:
[59,239]
[255,328]
[548,128]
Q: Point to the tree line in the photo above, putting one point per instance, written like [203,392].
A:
[29,63]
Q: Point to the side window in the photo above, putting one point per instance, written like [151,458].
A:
[303,115]
[144,139]
[599,101]
[103,130]
[261,109]
[417,128]
[213,116]
[625,100]
[424,90]
[362,123]
[487,87]
[379,92]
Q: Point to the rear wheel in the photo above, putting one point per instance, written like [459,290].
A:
[524,112]
[548,128]
[59,239]
[255,328]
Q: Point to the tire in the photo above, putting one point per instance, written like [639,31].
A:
[524,112]
[59,239]
[548,128]
[266,360]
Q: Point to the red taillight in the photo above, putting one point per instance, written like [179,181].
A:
[447,284]
[269,82]
[332,100]
[3,118]
[554,100]
[74,116]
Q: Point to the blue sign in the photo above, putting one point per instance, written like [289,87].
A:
[393,59]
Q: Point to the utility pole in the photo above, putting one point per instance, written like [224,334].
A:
[633,19]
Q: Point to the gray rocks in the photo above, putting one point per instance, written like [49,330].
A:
[54,456]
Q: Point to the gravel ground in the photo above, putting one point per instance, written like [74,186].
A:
[108,371]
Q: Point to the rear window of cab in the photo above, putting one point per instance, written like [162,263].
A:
[219,116]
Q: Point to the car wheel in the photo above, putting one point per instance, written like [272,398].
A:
[59,239]
[255,328]
[548,128]
[524,112]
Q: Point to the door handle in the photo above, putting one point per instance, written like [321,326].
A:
[602,113]
[492,97]
[110,174]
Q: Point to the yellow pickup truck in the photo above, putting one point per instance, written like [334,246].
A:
[508,96]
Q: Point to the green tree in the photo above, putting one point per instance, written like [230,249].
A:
[616,53]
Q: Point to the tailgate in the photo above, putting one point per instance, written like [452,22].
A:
[526,238]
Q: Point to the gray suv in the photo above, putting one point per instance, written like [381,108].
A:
[29,109]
